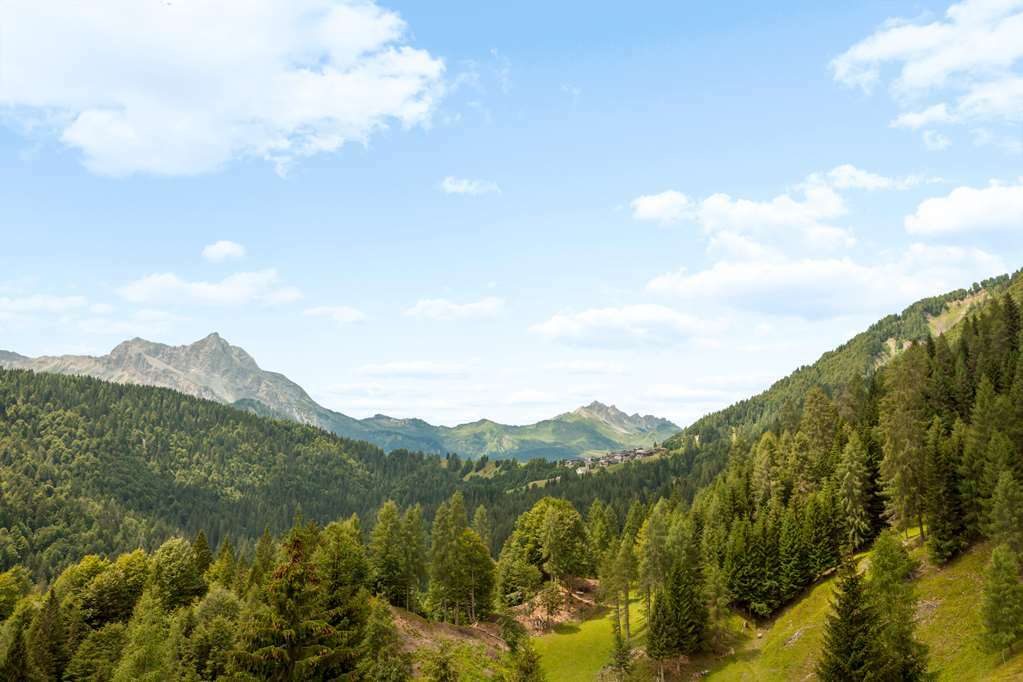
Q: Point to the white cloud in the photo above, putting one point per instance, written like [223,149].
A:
[443,309]
[413,369]
[828,287]
[341,314]
[935,141]
[848,176]
[185,87]
[934,115]
[630,325]
[531,396]
[667,207]
[42,303]
[223,250]
[970,209]
[586,367]
[453,185]
[968,57]
[261,286]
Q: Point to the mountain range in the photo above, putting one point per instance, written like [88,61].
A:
[213,369]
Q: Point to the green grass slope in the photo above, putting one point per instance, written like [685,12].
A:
[576,652]
[787,647]
[948,623]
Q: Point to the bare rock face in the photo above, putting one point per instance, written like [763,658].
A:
[210,368]
[213,369]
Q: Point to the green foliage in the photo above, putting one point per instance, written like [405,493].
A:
[383,659]
[851,650]
[175,577]
[440,665]
[46,642]
[97,655]
[1005,523]
[147,654]
[894,601]
[14,584]
[202,552]
[525,665]
[1002,607]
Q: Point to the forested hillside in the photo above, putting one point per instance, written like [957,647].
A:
[931,440]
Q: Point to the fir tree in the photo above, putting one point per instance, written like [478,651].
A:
[662,633]
[483,526]
[894,601]
[1005,522]
[525,665]
[15,667]
[621,656]
[793,573]
[386,551]
[440,665]
[943,509]
[47,642]
[202,552]
[851,651]
[147,653]
[383,659]
[1002,606]
[97,656]
[413,539]
[854,490]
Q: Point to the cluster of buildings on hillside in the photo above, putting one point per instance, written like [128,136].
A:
[585,465]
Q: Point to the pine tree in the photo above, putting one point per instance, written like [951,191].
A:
[387,555]
[621,656]
[147,653]
[652,548]
[175,576]
[483,526]
[904,420]
[263,561]
[685,602]
[854,489]
[15,667]
[662,633]
[413,538]
[1002,606]
[972,474]
[793,573]
[1005,522]
[943,509]
[894,601]
[47,642]
[851,651]
[383,659]
[525,665]
[625,574]
[288,638]
[342,569]
[202,552]
[225,569]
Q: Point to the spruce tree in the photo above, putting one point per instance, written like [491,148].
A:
[652,550]
[1002,605]
[47,642]
[851,651]
[684,590]
[793,573]
[662,633]
[483,526]
[202,552]
[383,659]
[147,651]
[15,668]
[893,597]
[413,539]
[854,490]
[943,508]
[621,656]
[387,555]
[1005,521]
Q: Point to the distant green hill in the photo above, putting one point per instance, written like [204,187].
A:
[214,369]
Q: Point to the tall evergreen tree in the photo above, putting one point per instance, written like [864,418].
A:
[1002,606]
[202,552]
[484,527]
[652,550]
[383,659]
[894,601]
[943,508]
[414,553]
[851,650]
[904,418]
[854,491]
[1005,522]
[387,555]
[47,642]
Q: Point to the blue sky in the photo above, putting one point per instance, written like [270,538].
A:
[462,210]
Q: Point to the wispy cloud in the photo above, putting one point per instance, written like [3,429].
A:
[263,286]
[453,185]
[223,250]
[443,309]
[624,326]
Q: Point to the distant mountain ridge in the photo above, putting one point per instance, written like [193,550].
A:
[213,369]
